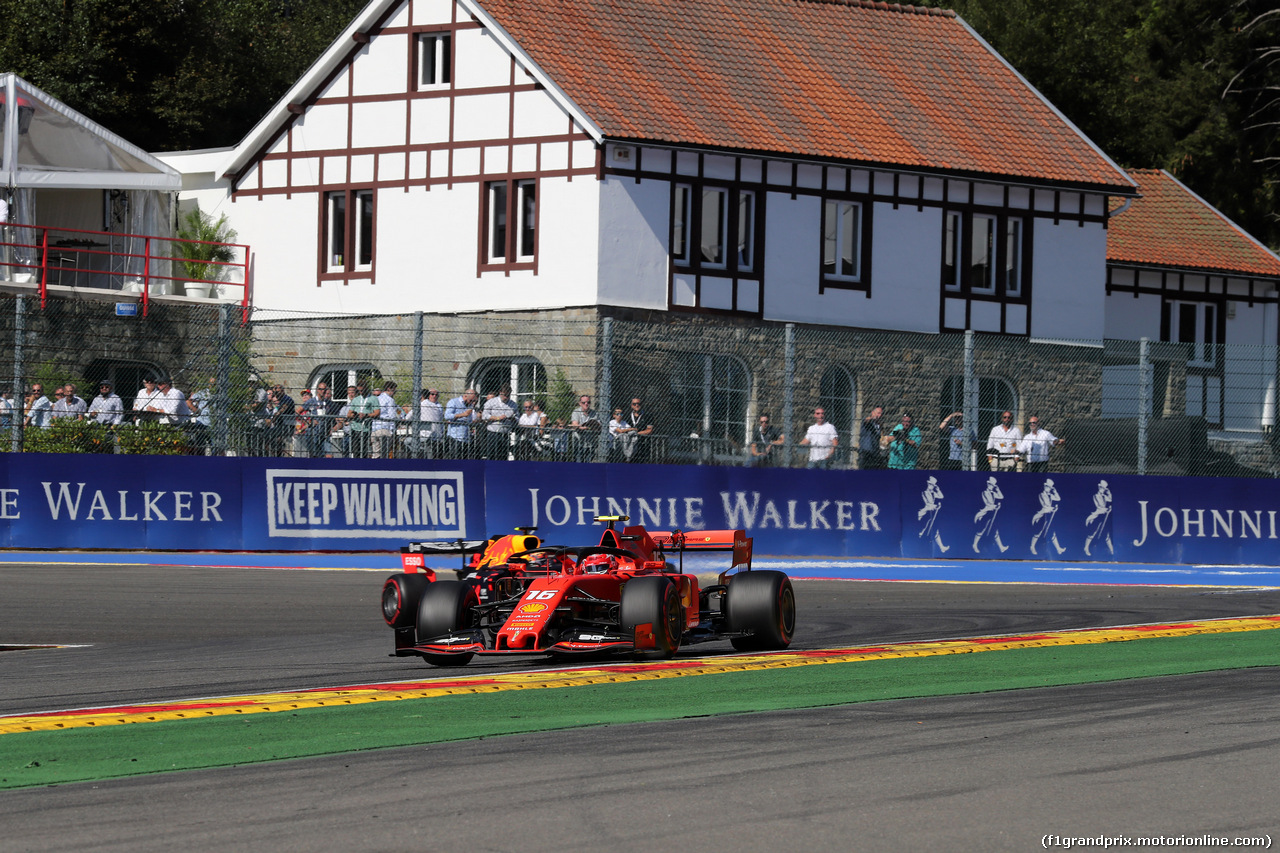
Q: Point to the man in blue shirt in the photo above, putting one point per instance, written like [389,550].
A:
[460,413]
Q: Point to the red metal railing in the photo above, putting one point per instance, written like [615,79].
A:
[129,265]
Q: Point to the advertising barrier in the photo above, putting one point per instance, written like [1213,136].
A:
[252,504]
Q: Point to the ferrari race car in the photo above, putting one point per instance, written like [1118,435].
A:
[518,596]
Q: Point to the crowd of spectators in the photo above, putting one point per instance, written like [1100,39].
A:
[371,423]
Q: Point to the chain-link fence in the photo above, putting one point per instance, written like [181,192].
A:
[609,385]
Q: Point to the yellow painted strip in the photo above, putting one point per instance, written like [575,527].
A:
[620,673]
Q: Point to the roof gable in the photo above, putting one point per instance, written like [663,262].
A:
[1171,226]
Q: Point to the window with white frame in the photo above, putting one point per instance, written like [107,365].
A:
[435,52]
[714,228]
[349,231]
[511,222]
[1196,324]
[842,240]
[984,254]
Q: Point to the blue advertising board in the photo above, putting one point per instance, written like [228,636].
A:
[252,504]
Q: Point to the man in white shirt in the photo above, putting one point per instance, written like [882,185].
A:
[822,440]
[107,407]
[1035,445]
[171,404]
[146,403]
[431,424]
[1002,444]
[384,425]
[499,416]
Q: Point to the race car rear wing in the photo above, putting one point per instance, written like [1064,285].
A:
[413,557]
[680,541]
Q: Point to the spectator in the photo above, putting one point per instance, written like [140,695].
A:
[146,403]
[822,440]
[384,425]
[499,416]
[1002,444]
[72,406]
[200,405]
[560,440]
[621,437]
[431,425]
[168,405]
[341,435]
[586,430]
[870,445]
[106,408]
[529,430]
[60,403]
[323,420]
[1034,447]
[281,421]
[461,415]
[641,429]
[765,443]
[6,410]
[904,450]
[39,411]
[956,453]
[303,414]
[362,407]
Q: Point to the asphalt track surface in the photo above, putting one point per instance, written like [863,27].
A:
[1178,756]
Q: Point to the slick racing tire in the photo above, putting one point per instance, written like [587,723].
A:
[445,606]
[400,596]
[655,602]
[764,604]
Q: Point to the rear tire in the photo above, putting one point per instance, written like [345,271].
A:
[763,603]
[445,607]
[653,601]
[400,596]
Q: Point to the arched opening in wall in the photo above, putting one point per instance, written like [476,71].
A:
[125,376]
[526,376]
[340,376]
[838,396]
[993,396]
[709,396]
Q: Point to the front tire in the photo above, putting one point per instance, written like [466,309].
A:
[400,596]
[446,607]
[764,604]
[653,604]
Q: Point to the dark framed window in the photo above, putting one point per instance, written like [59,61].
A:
[348,228]
[435,57]
[994,397]
[710,396]
[714,228]
[984,254]
[846,240]
[510,223]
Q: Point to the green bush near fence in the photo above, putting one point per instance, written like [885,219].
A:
[69,435]
[152,439]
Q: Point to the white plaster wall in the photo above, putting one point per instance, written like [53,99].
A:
[322,128]
[1068,280]
[427,12]
[381,66]
[904,268]
[1130,319]
[480,61]
[632,247]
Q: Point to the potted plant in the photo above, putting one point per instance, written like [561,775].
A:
[201,261]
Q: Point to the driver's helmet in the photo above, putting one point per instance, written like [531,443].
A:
[598,564]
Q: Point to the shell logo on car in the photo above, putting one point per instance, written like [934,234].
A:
[532,608]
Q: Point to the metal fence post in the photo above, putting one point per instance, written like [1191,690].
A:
[221,402]
[604,405]
[969,409]
[415,397]
[19,335]
[1144,401]
[788,389]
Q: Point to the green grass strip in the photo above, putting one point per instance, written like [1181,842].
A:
[45,758]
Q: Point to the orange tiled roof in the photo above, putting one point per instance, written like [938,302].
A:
[1171,226]
[869,82]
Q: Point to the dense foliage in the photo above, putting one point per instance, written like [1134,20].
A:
[1192,86]
[169,74]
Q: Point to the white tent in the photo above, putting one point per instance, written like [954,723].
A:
[46,144]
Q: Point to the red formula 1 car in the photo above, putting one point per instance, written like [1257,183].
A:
[519,596]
